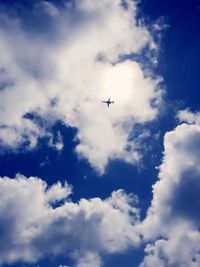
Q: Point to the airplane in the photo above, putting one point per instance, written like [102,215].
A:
[108,102]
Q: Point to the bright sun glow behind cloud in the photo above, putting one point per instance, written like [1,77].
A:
[75,71]
[118,82]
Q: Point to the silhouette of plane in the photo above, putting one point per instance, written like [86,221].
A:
[108,102]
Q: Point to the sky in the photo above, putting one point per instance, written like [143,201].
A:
[81,184]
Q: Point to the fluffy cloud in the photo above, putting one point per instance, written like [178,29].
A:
[36,221]
[190,117]
[62,70]
[173,220]
[89,260]
[44,220]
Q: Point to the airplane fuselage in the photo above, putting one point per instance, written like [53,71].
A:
[108,102]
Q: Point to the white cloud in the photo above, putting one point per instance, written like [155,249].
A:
[190,117]
[89,260]
[56,142]
[44,220]
[64,70]
[181,249]
[31,227]
[173,220]
[58,192]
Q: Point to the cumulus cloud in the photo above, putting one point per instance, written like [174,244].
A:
[37,220]
[43,220]
[173,220]
[62,70]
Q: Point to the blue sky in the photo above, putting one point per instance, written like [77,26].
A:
[82,184]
